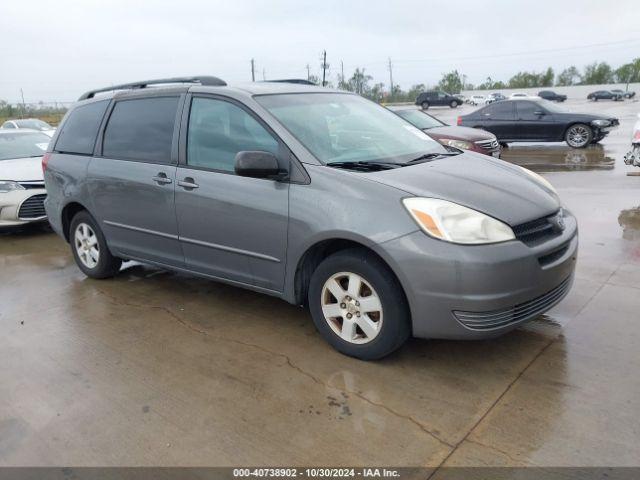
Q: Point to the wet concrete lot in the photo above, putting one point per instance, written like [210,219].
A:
[156,368]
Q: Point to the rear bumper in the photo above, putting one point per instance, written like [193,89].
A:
[10,207]
[473,292]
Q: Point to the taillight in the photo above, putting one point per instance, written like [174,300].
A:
[45,161]
[459,122]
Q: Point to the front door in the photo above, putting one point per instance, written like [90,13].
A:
[533,121]
[132,182]
[230,227]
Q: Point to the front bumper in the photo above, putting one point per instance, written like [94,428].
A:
[10,207]
[473,292]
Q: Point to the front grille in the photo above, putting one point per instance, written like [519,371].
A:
[32,207]
[32,185]
[519,313]
[490,145]
[540,230]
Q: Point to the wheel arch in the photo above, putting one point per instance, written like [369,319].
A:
[317,252]
[68,212]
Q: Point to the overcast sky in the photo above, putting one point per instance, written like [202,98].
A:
[54,50]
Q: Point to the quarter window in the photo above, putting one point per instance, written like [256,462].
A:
[80,129]
[141,129]
[218,130]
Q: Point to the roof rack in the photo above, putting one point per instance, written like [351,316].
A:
[299,81]
[202,80]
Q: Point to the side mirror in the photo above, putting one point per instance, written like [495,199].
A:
[257,164]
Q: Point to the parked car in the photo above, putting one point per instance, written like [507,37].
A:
[494,97]
[29,123]
[463,138]
[477,100]
[624,93]
[533,120]
[518,95]
[22,191]
[316,196]
[552,96]
[604,95]
[432,99]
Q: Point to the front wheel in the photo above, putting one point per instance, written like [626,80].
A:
[579,135]
[89,248]
[358,305]
[453,104]
[425,105]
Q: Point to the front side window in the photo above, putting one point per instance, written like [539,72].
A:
[141,129]
[337,127]
[527,110]
[218,130]
[80,129]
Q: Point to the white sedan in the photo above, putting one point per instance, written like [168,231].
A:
[477,100]
[29,123]
[22,191]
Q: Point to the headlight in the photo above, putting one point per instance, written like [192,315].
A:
[461,144]
[541,180]
[9,186]
[454,223]
[601,123]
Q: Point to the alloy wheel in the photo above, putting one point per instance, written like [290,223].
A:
[352,308]
[87,247]
[578,136]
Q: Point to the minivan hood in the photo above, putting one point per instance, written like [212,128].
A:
[494,187]
[21,169]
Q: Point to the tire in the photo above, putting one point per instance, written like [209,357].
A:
[453,104]
[578,135]
[387,328]
[86,238]
[425,105]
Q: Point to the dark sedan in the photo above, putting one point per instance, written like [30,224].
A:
[539,121]
[624,93]
[552,96]
[459,137]
[604,95]
[435,98]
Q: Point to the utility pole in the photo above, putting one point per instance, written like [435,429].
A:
[390,79]
[324,67]
[342,73]
[308,73]
[23,105]
[264,77]
[253,71]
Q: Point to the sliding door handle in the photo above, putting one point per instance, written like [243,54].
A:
[161,179]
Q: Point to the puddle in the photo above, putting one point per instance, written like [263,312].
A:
[629,220]
[558,158]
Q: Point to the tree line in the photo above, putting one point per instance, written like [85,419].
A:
[597,73]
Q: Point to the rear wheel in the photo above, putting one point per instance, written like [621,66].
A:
[89,248]
[425,105]
[358,306]
[453,104]
[578,135]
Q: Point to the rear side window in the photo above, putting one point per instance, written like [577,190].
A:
[141,129]
[498,111]
[80,130]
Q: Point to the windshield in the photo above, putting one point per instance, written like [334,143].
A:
[34,124]
[420,119]
[338,127]
[22,145]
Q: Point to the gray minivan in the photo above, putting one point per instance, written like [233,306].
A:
[317,196]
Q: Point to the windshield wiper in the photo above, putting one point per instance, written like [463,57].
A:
[365,165]
[430,156]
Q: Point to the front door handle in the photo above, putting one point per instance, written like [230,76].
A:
[161,179]
[188,183]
